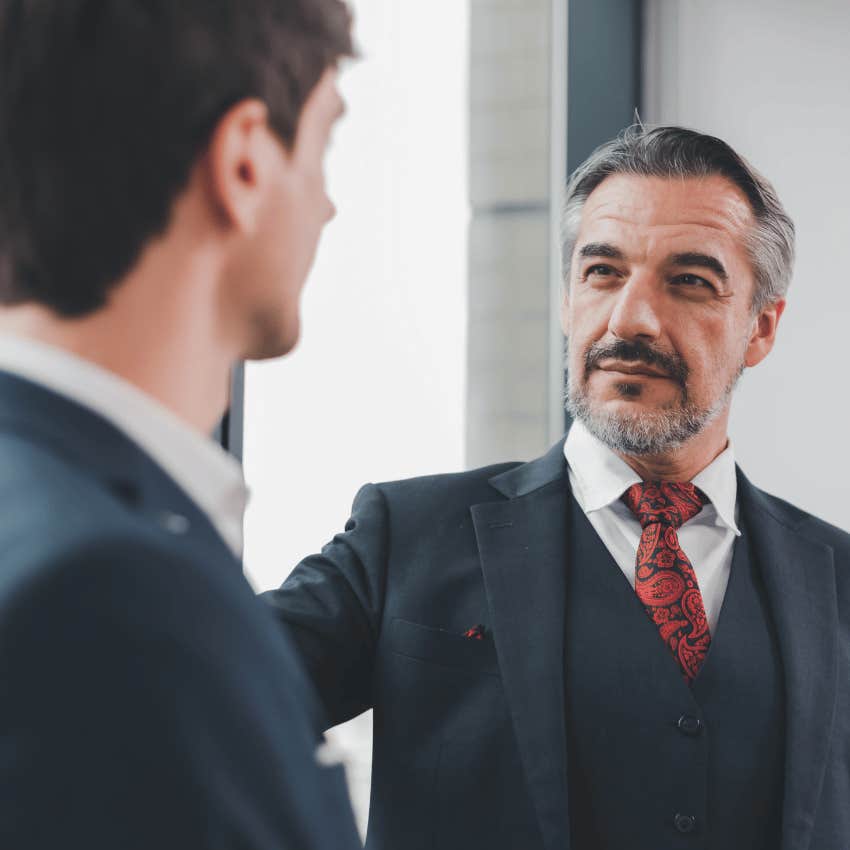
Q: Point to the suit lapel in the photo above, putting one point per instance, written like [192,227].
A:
[522,545]
[799,574]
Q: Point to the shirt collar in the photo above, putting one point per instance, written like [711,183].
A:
[719,482]
[600,476]
[211,477]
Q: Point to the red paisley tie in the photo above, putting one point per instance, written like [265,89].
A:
[664,579]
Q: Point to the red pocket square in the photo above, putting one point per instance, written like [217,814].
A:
[475,633]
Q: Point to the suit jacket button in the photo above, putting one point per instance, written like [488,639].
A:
[690,725]
[685,823]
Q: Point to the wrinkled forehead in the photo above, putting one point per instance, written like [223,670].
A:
[644,213]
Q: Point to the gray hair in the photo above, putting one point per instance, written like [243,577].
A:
[676,152]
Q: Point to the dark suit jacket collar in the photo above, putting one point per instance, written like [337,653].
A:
[528,477]
[94,446]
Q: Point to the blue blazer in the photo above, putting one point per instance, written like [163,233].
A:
[148,700]
[470,748]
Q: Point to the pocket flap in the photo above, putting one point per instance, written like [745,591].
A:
[427,643]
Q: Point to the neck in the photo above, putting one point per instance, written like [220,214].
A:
[686,461]
[177,355]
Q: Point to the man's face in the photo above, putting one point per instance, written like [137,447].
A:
[285,245]
[658,312]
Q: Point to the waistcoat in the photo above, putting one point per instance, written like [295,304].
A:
[652,762]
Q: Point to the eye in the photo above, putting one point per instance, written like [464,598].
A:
[691,281]
[599,270]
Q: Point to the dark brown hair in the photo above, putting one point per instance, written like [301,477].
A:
[105,106]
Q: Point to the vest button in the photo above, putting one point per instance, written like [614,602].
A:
[689,725]
[685,823]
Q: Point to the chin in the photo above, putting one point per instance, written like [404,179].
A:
[632,400]
[270,340]
[636,406]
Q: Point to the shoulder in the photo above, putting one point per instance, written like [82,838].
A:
[424,504]
[90,585]
[58,514]
[72,543]
[126,619]
[42,492]
[143,680]
[804,523]
[468,486]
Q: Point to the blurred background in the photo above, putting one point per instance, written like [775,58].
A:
[430,321]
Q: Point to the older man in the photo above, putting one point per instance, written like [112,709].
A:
[623,644]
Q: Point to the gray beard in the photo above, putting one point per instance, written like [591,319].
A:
[653,433]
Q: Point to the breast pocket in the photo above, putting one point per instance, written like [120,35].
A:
[451,703]
[426,643]
[444,722]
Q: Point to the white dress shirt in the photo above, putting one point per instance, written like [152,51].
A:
[211,477]
[599,478]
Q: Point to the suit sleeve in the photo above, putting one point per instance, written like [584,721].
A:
[331,605]
[138,712]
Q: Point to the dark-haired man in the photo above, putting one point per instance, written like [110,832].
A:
[162,197]
[623,644]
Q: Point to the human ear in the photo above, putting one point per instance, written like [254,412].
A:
[763,335]
[238,163]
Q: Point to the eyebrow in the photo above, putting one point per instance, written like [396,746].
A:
[601,249]
[706,261]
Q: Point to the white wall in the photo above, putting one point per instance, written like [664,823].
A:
[771,78]
[376,389]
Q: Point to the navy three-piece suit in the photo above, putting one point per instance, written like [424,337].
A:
[523,700]
[147,698]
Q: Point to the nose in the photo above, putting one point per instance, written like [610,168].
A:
[330,209]
[635,313]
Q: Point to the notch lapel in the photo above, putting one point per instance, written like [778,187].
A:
[522,545]
[799,574]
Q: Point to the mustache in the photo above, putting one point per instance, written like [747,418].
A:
[672,365]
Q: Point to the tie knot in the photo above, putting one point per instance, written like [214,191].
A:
[670,503]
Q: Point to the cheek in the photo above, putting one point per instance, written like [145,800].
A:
[576,345]
[711,361]
[296,212]
[586,327]
[591,313]
[311,178]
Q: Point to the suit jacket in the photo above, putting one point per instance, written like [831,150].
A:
[148,698]
[470,746]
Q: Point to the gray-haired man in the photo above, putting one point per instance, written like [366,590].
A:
[623,644]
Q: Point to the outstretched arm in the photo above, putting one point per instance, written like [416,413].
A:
[331,606]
